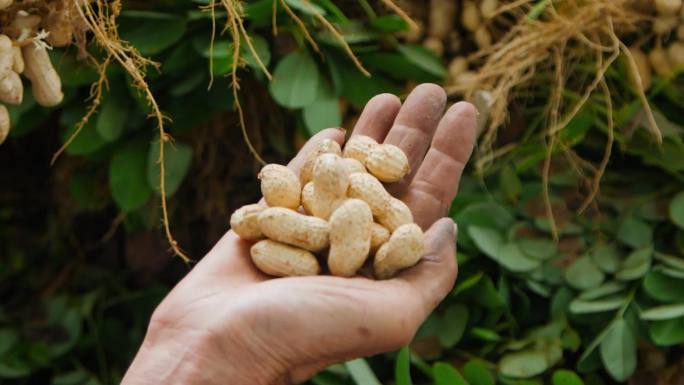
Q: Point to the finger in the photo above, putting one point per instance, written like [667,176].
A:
[414,126]
[436,182]
[434,276]
[336,134]
[377,116]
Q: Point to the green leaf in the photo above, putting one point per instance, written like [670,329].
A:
[453,325]
[476,373]
[151,32]
[177,160]
[636,265]
[75,377]
[667,332]
[485,334]
[607,257]
[635,233]
[677,210]
[88,139]
[602,291]
[262,50]
[584,274]
[488,240]
[664,312]
[618,351]
[674,273]
[8,337]
[662,287]
[565,377]
[324,112]
[538,248]
[445,374]
[423,58]
[113,116]
[670,260]
[523,364]
[512,258]
[402,367]
[509,183]
[579,306]
[361,372]
[307,7]
[295,80]
[127,178]
[389,23]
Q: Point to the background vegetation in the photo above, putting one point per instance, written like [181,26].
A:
[592,294]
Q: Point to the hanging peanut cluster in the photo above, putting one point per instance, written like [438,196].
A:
[28,29]
[343,213]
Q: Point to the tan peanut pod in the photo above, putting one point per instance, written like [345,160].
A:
[11,89]
[388,163]
[482,37]
[59,28]
[442,15]
[660,61]
[668,7]
[5,3]
[665,24]
[379,235]
[330,175]
[396,214]
[325,203]
[358,147]
[17,60]
[6,59]
[457,65]
[680,31]
[350,237]
[325,146]
[308,198]
[404,249]
[675,54]
[280,186]
[435,45]
[45,83]
[643,68]
[245,222]
[280,260]
[4,123]
[488,8]
[367,188]
[23,25]
[353,165]
[470,16]
[290,227]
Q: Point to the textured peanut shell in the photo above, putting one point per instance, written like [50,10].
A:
[59,28]
[323,203]
[11,89]
[367,188]
[388,163]
[4,123]
[668,7]
[6,59]
[5,3]
[675,52]
[659,61]
[358,147]
[280,260]
[330,175]
[395,215]
[290,227]
[379,236]
[353,165]
[280,186]
[325,146]
[17,60]
[45,82]
[308,198]
[470,15]
[245,222]
[404,249]
[350,237]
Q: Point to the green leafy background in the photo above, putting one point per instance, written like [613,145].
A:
[84,262]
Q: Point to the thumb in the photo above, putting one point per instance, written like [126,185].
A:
[434,276]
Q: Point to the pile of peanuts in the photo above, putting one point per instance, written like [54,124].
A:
[24,42]
[342,215]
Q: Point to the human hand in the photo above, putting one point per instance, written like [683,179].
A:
[226,322]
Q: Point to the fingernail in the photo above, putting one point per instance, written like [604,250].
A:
[344,130]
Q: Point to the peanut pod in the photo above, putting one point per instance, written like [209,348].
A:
[379,235]
[330,175]
[325,146]
[245,222]
[280,260]
[367,188]
[4,123]
[350,237]
[290,227]
[11,89]
[17,60]
[404,249]
[395,215]
[353,165]
[6,59]
[358,147]
[280,186]
[45,82]
[388,163]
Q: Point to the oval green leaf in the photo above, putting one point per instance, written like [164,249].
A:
[295,80]
[584,274]
[523,364]
[664,312]
[618,351]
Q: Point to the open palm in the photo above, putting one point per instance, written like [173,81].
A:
[243,325]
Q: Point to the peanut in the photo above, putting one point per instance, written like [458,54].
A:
[470,16]
[404,249]
[358,147]
[388,163]
[675,52]
[488,8]
[326,146]
[59,28]
[45,82]
[308,198]
[6,60]
[324,203]
[5,3]
[290,227]
[379,235]
[664,24]
[330,175]
[245,222]
[280,260]
[280,186]
[442,15]
[367,188]
[11,89]
[668,7]
[4,123]
[353,165]
[17,60]
[659,61]
[350,237]
[396,214]
[23,25]
[482,37]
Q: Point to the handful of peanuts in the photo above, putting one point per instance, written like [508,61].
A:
[337,209]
